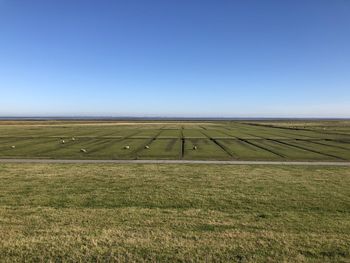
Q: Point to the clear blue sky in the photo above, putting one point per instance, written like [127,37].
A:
[224,58]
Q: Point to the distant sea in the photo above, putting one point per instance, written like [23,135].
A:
[131,118]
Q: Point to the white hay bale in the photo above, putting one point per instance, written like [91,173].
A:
[83,150]
[194,147]
[63,141]
[73,139]
[146,147]
[13,147]
[127,147]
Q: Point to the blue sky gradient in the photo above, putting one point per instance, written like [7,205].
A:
[186,58]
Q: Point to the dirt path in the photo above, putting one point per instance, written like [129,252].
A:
[174,162]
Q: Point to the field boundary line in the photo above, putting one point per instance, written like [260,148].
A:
[307,149]
[222,147]
[263,148]
[142,147]
[296,129]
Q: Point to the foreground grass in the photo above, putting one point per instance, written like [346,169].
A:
[192,213]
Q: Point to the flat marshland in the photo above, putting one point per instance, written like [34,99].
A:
[174,213]
[215,140]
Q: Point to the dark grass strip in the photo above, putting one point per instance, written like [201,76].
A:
[286,138]
[296,129]
[88,144]
[182,150]
[230,135]
[142,147]
[222,147]
[307,149]
[300,147]
[324,144]
[261,147]
[342,141]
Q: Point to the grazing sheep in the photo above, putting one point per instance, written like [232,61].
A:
[146,147]
[73,139]
[194,147]
[13,147]
[127,147]
[83,150]
[63,141]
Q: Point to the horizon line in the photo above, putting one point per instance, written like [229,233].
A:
[103,117]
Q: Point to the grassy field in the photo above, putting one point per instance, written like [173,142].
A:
[277,140]
[174,213]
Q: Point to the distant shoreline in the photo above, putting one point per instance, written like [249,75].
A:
[126,118]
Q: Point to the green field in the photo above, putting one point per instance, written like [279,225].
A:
[278,140]
[174,213]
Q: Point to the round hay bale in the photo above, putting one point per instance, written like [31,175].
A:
[83,150]
[127,147]
[146,147]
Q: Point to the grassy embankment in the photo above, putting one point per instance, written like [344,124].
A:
[174,213]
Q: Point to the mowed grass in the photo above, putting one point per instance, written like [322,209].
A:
[174,213]
[176,140]
[161,149]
